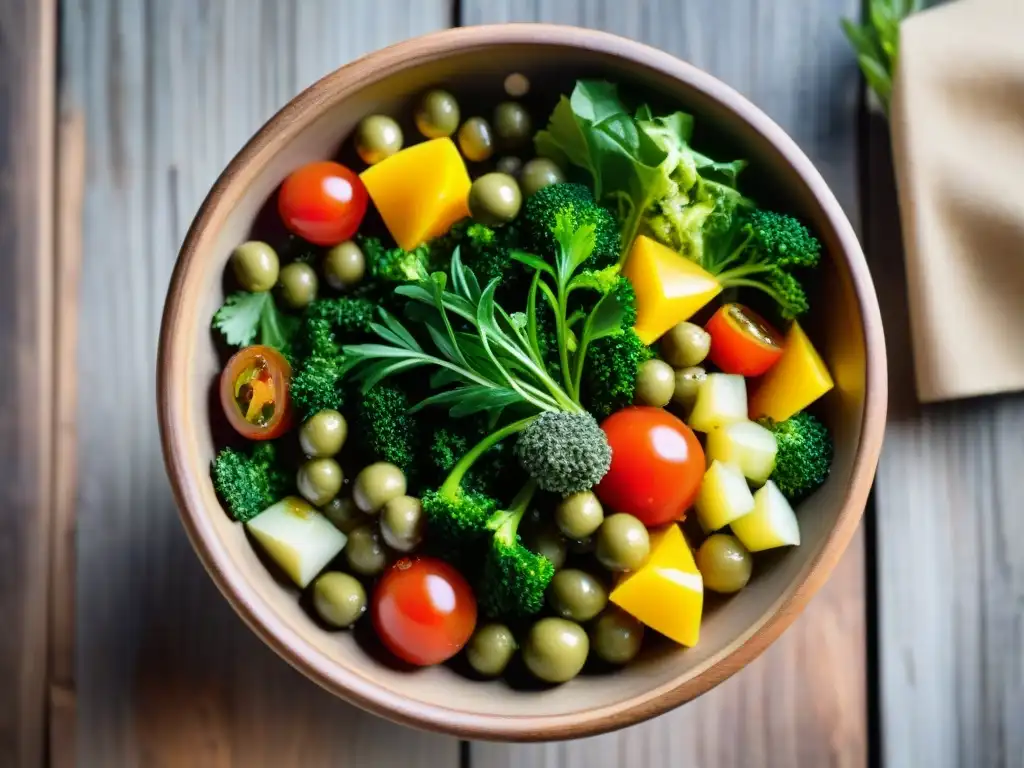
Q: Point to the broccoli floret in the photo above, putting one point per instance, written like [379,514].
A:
[804,456]
[386,429]
[514,578]
[564,452]
[328,322]
[317,385]
[783,240]
[393,265]
[792,298]
[248,483]
[446,448]
[577,202]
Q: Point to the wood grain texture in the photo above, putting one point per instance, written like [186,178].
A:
[803,703]
[951,602]
[27,56]
[167,675]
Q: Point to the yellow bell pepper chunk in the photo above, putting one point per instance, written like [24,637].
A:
[669,288]
[420,191]
[667,593]
[794,382]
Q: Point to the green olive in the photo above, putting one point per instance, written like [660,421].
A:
[576,595]
[724,563]
[490,649]
[339,599]
[511,165]
[319,480]
[378,137]
[494,199]
[655,383]
[539,173]
[476,140]
[364,551]
[298,284]
[343,512]
[688,381]
[615,636]
[376,485]
[512,124]
[437,114]
[402,523]
[556,649]
[344,266]
[579,515]
[685,345]
[546,540]
[323,434]
[622,543]
[256,266]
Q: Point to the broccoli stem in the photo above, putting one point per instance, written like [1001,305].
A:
[454,480]
[506,523]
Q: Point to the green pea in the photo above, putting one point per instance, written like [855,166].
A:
[437,114]
[688,381]
[343,512]
[476,140]
[579,515]
[512,124]
[298,284]
[344,266]
[556,649]
[376,485]
[339,599]
[490,649]
[402,523]
[576,595]
[377,138]
[494,199]
[622,543]
[256,266]
[539,173]
[323,434]
[685,345]
[319,480]
[547,541]
[511,165]
[364,551]
[615,636]
[655,383]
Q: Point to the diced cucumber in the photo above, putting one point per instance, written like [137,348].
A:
[297,537]
[746,444]
[721,399]
[772,523]
[724,496]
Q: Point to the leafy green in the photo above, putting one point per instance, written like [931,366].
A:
[245,316]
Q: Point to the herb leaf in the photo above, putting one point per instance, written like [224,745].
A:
[245,316]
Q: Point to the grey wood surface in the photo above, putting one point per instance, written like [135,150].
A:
[27,48]
[803,703]
[167,674]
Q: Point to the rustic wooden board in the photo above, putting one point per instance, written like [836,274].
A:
[803,703]
[27,58]
[949,527]
[167,674]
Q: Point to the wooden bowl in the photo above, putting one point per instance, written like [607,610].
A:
[847,328]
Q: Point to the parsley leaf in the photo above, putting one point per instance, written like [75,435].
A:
[244,316]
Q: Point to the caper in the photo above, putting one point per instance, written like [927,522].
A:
[339,599]
[490,649]
[494,199]
[437,114]
[377,137]
[556,649]
[476,139]
[724,563]
[402,523]
[685,345]
[256,266]
[576,595]
[319,480]
[376,485]
[298,284]
[539,173]
[546,540]
[511,165]
[688,381]
[323,434]
[615,636]
[343,512]
[655,383]
[364,551]
[622,543]
[344,266]
[512,124]
[579,515]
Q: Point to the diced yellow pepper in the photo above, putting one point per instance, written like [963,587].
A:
[420,191]
[794,382]
[669,288]
[667,593]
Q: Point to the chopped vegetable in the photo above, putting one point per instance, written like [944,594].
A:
[724,496]
[576,203]
[247,317]
[721,399]
[297,537]
[798,379]
[771,524]
[250,482]
[747,445]
[322,202]
[804,455]
[564,452]
[254,393]
[385,429]
[669,578]
[742,342]
[420,191]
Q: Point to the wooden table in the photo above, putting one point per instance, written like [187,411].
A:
[911,656]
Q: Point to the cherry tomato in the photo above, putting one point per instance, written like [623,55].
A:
[254,393]
[423,610]
[657,465]
[742,341]
[323,203]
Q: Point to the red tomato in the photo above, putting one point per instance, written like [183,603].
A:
[323,203]
[423,610]
[254,393]
[657,465]
[742,341]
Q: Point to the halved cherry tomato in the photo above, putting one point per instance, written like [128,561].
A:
[742,341]
[254,392]
[323,202]
[657,465]
[423,610]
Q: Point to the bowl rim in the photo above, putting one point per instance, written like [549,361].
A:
[359,689]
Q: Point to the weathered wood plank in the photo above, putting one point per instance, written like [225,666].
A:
[804,702]
[167,674]
[27,56]
[951,602]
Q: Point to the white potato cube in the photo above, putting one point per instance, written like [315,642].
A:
[297,537]
[772,524]
[746,444]
[724,496]
[721,399]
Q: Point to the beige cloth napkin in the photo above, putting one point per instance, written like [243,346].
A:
[957,119]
